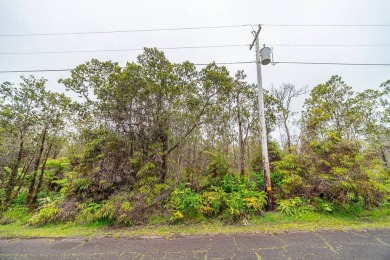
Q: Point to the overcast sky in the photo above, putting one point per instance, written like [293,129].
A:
[48,16]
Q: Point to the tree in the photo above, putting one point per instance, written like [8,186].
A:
[327,109]
[33,118]
[383,133]
[19,115]
[54,110]
[334,109]
[245,101]
[284,96]
[152,105]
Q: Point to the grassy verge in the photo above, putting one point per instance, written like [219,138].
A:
[269,222]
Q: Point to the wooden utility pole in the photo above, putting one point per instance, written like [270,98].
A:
[264,146]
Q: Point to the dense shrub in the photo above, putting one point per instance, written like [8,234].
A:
[294,206]
[46,214]
[116,210]
[236,199]
[337,171]
[102,168]
[186,203]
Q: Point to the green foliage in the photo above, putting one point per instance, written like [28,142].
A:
[243,204]
[150,196]
[55,172]
[276,179]
[105,167]
[34,118]
[2,197]
[81,185]
[230,183]
[212,201]
[242,198]
[323,205]
[340,159]
[147,168]
[117,210]
[218,167]
[335,170]
[63,184]
[15,214]
[186,203]
[293,207]
[354,207]
[140,130]
[236,199]
[20,199]
[326,108]
[45,215]
[88,212]
[275,154]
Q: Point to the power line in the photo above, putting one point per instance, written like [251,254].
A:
[57,70]
[26,71]
[194,47]
[326,25]
[124,50]
[227,63]
[125,31]
[332,63]
[190,28]
[329,45]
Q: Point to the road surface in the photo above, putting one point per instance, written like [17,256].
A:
[372,244]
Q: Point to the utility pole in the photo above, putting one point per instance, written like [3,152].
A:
[264,146]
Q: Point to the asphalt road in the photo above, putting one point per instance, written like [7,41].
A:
[372,244]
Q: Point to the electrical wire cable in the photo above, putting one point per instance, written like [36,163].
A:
[328,45]
[59,70]
[193,47]
[331,63]
[124,50]
[226,63]
[326,25]
[28,71]
[126,31]
[190,28]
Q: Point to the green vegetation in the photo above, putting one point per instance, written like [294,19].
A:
[268,222]
[236,199]
[161,145]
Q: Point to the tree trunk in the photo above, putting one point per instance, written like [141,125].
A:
[385,155]
[164,164]
[21,178]
[35,170]
[240,137]
[14,172]
[287,134]
[40,180]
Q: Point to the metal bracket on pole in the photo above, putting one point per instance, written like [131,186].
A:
[254,39]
